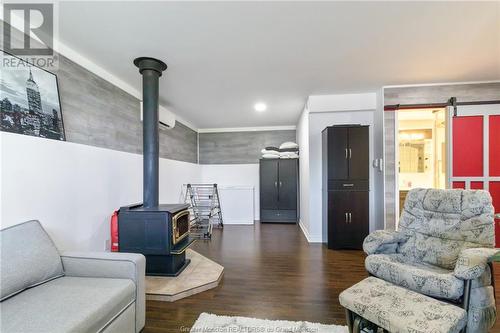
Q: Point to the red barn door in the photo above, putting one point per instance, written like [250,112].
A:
[475,152]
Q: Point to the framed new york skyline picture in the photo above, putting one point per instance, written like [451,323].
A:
[29,100]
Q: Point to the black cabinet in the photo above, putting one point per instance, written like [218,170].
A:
[279,190]
[358,153]
[338,167]
[346,185]
[268,185]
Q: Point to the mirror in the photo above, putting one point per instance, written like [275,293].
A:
[414,149]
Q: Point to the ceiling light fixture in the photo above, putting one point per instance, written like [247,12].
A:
[260,107]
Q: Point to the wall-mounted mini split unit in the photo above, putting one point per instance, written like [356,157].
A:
[166,118]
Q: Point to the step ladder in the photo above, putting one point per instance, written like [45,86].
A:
[204,206]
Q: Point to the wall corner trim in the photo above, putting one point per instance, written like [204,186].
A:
[247,129]
[310,238]
[437,84]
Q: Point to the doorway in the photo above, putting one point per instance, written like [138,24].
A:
[421,150]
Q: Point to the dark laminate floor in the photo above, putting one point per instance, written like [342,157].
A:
[270,272]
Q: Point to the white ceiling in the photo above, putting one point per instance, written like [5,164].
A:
[225,56]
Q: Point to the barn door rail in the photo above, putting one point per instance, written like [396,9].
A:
[451,102]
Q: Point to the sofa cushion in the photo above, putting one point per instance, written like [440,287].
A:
[29,257]
[67,304]
[421,277]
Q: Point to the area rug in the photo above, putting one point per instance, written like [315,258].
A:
[209,323]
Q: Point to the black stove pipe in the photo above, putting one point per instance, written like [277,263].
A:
[151,70]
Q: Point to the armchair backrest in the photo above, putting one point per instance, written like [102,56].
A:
[441,223]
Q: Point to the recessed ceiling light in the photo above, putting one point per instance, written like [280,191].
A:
[260,107]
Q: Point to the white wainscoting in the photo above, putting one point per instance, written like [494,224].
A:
[73,189]
[234,175]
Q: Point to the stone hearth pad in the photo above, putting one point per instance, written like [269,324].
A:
[200,275]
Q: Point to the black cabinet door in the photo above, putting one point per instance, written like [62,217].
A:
[338,219]
[358,153]
[287,183]
[338,153]
[348,216]
[359,217]
[269,184]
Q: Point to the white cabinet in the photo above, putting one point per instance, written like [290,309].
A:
[237,203]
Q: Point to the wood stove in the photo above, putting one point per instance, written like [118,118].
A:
[160,232]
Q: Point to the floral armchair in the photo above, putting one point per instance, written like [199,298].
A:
[441,249]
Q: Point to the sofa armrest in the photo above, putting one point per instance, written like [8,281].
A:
[111,265]
[383,241]
[472,263]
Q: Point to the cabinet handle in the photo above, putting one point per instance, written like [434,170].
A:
[281,184]
[350,153]
[350,218]
[348,185]
[346,220]
[346,153]
[275,184]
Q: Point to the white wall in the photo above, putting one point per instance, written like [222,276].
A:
[379,173]
[317,123]
[73,189]
[234,175]
[323,111]
[303,141]
[342,102]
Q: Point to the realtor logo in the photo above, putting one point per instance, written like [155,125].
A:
[28,29]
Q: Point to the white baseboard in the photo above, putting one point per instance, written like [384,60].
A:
[310,238]
[236,221]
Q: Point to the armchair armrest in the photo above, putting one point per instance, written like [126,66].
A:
[472,263]
[111,265]
[383,241]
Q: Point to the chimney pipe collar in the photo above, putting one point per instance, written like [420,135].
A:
[147,63]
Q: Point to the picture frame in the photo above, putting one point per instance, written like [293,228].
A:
[30,102]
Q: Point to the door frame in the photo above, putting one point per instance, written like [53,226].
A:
[484,110]
[390,130]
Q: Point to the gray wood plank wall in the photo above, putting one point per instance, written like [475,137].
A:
[442,93]
[390,170]
[239,147]
[97,113]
